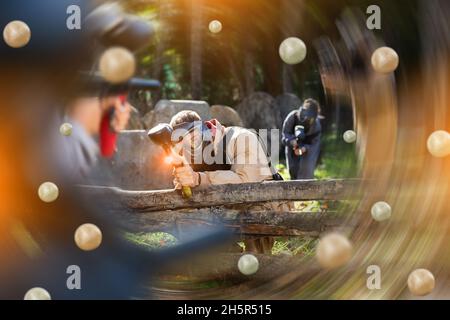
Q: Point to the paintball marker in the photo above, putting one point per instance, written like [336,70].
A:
[300,136]
[93,84]
[162,136]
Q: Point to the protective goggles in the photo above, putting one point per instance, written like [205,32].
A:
[186,128]
[307,115]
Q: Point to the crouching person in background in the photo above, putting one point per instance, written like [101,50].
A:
[301,137]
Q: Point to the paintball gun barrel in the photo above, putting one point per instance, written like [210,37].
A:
[95,84]
[162,136]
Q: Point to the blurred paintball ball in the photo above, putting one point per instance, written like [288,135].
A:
[215,26]
[117,65]
[385,60]
[381,211]
[17,34]
[88,237]
[248,264]
[66,129]
[421,282]
[292,50]
[439,143]
[334,250]
[37,294]
[48,192]
[349,136]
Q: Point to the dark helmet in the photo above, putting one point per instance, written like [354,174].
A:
[308,112]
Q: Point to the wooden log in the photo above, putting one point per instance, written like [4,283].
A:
[181,281]
[264,223]
[229,194]
[224,265]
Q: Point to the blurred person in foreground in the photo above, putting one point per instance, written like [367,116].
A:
[301,135]
[37,237]
[86,115]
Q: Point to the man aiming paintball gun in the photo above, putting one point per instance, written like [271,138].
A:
[301,137]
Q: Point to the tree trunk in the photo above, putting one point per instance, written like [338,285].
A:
[287,79]
[196,49]
[249,72]
[158,64]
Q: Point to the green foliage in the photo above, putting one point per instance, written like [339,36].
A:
[294,246]
[338,158]
[153,240]
[283,171]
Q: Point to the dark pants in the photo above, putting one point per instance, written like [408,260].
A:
[302,167]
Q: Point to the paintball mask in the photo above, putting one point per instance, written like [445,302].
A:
[307,117]
[197,143]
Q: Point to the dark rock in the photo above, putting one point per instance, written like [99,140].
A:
[135,122]
[226,116]
[259,111]
[286,103]
[149,120]
[139,163]
[166,109]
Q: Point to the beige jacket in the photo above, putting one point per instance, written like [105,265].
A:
[249,163]
[245,154]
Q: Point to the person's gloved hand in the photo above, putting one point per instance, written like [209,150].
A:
[293,143]
[122,112]
[185,176]
[300,151]
[121,115]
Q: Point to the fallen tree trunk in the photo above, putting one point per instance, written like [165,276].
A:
[224,265]
[229,194]
[267,223]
